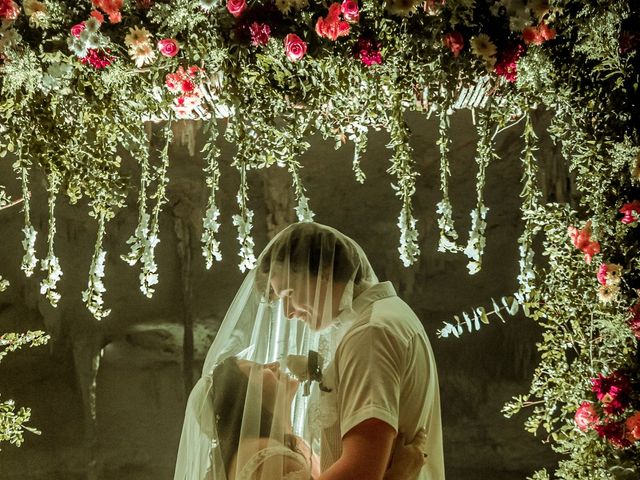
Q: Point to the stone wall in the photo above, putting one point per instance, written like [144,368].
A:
[140,381]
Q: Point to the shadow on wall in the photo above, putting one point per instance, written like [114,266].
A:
[140,392]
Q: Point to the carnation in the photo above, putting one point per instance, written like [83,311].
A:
[111,8]
[260,33]
[9,10]
[506,65]
[631,212]
[632,427]
[614,433]
[581,239]
[368,51]
[98,59]
[612,391]
[454,41]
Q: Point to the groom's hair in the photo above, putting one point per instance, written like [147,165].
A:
[228,394]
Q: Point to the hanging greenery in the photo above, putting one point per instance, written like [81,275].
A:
[77,78]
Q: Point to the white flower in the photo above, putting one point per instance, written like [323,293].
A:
[482,46]
[606,293]
[207,4]
[92,25]
[137,36]
[142,54]
[246,241]
[29,261]
[4,284]
[211,246]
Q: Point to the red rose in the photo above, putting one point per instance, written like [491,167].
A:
[454,41]
[631,212]
[9,10]
[294,47]
[350,10]
[236,7]
[168,47]
[586,416]
[77,29]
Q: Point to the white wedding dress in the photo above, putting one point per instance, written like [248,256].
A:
[250,470]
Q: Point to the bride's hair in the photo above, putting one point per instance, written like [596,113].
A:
[314,248]
[228,394]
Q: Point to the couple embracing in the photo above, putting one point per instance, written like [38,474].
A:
[318,371]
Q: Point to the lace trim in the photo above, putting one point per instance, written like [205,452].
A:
[263,455]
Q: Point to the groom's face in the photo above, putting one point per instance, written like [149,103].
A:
[304,298]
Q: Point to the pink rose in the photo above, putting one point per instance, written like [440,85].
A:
[294,47]
[168,47]
[9,10]
[454,41]
[350,10]
[236,7]
[77,29]
[631,212]
[586,416]
[632,426]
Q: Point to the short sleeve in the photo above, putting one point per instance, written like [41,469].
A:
[369,367]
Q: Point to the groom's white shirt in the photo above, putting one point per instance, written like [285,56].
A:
[383,368]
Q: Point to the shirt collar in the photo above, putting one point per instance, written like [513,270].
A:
[373,294]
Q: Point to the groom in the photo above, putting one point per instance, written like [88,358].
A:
[383,378]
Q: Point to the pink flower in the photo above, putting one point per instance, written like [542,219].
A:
[97,15]
[454,41]
[294,47]
[236,7]
[168,47]
[350,10]
[77,29]
[581,239]
[9,10]
[631,212]
[506,65]
[368,51]
[260,33]
[331,26]
[111,8]
[586,416]
[632,427]
[634,320]
[602,274]
[98,59]
[612,391]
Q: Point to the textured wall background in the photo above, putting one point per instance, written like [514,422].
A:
[140,385]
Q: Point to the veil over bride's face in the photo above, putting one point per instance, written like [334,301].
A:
[273,381]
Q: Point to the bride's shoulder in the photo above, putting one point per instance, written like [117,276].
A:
[256,455]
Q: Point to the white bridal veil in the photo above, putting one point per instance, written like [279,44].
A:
[250,415]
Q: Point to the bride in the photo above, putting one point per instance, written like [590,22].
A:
[246,419]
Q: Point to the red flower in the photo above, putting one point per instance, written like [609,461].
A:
[581,239]
[350,10]
[613,432]
[631,212]
[260,33]
[612,391]
[454,41]
[97,15]
[236,7]
[368,51]
[98,59]
[168,47]
[506,65]
[77,29]
[331,26]
[538,35]
[294,47]
[9,10]
[111,8]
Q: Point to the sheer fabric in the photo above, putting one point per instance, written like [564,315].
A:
[246,417]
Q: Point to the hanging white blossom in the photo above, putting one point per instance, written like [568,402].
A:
[29,261]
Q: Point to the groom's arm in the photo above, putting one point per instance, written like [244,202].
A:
[366,450]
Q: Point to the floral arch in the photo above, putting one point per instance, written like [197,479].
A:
[78,79]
